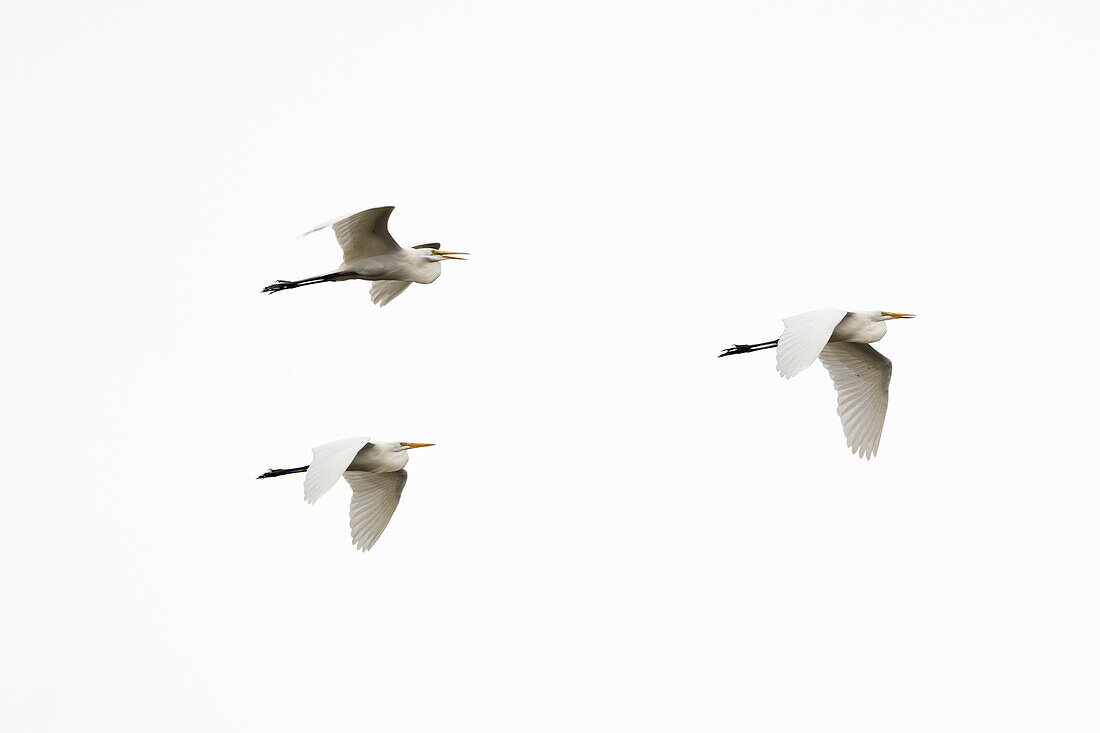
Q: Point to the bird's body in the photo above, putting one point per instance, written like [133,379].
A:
[371,253]
[404,265]
[861,375]
[375,472]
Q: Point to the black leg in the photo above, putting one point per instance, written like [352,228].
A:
[749,348]
[273,472]
[279,285]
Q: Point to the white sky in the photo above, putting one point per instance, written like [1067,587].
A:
[616,531]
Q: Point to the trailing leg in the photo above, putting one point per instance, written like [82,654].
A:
[288,284]
[748,348]
[273,472]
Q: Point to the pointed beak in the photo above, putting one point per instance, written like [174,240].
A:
[417,445]
[449,255]
[899,315]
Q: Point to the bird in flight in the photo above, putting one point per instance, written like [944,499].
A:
[370,253]
[860,374]
[375,472]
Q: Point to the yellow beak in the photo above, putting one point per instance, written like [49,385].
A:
[418,445]
[899,315]
[448,255]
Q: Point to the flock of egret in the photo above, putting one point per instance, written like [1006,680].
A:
[376,471]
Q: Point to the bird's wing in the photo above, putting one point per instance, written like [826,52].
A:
[803,338]
[362,235]
[373,499]
[329,461]
[383,291]
[861,376]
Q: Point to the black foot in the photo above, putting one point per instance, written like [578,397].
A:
[280,285]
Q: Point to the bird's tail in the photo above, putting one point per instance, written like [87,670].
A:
[273,472]
[748,348]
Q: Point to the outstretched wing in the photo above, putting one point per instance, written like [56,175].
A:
[861,376]
[361,235]
[374,498]
[804,336]
[383,291]
[329,462]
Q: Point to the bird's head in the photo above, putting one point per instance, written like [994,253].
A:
[432,253]
[888,316]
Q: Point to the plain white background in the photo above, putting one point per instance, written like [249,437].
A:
[616,531]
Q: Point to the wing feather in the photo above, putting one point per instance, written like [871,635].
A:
[383,291]
[804,336]
[362,235]
[373,500]
[861,376]
[329,462]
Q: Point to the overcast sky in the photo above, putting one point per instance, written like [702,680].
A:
[616,530]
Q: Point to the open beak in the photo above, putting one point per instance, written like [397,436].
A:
[899,315]
[418,445]
[448,255]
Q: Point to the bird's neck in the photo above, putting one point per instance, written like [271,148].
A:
[859,330]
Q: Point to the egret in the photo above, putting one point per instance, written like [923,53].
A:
[375,472]
[370,253]
[860,374]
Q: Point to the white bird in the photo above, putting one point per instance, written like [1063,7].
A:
[375,472]
[860,374]
[370,253]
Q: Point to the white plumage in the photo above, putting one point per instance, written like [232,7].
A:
[374,471]
[860,374]
[383,291]
[328,465]
[371,253]
[861,377]
[373,500]
[804,336]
